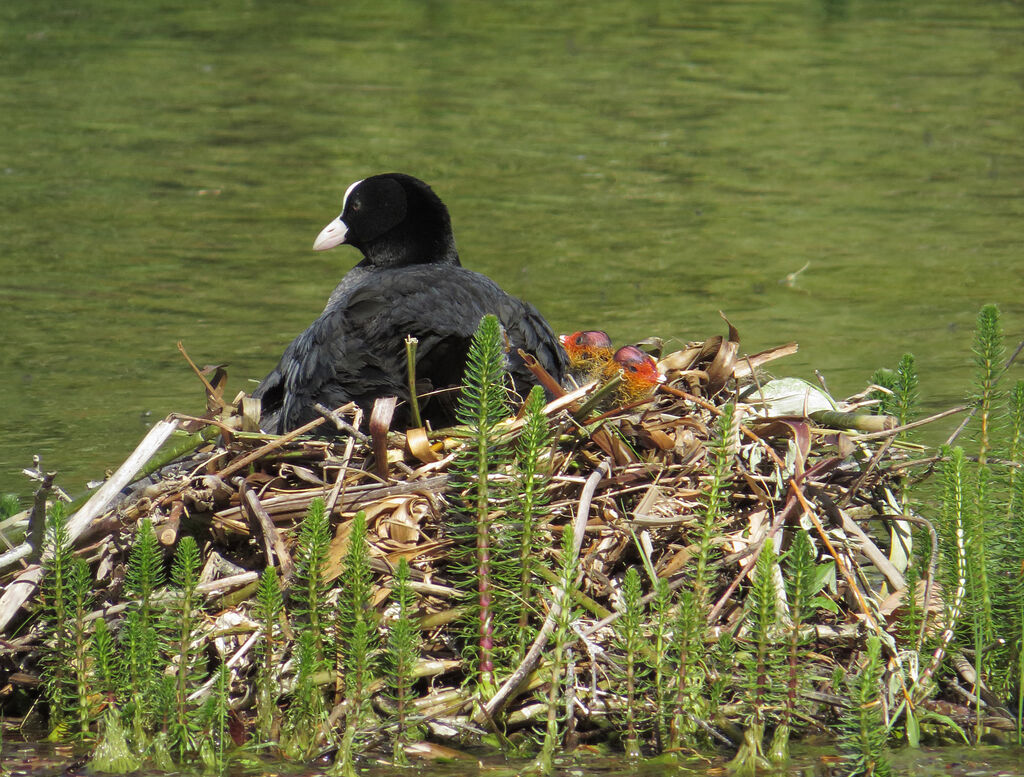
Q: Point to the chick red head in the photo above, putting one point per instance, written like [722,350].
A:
[590,340]
[639,371]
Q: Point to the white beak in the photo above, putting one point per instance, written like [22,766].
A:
[332,235]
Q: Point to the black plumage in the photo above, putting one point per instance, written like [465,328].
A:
[410,282]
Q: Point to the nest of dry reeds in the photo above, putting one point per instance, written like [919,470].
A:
[632,479]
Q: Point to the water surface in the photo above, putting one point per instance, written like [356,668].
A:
[165,167]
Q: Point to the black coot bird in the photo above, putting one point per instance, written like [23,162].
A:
[410,282]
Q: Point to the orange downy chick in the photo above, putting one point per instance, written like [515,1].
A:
[590,353]
[640,376]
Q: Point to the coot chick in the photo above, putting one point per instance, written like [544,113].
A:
[589,352]
[640,376]
[410,282]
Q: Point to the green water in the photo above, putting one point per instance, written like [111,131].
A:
[164,168]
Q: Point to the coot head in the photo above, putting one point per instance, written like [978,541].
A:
[640,374]
[395,220]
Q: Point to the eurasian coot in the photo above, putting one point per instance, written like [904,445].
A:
[410,282]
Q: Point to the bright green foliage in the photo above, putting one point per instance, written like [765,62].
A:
[213,719]
[357,632]
[1011,550]
[140,662]
[481,408]
[306,720]
[885,378]
[1015,453]
[80,590]
[400,657]
[988,359]
[104,659]
[145,571]
[631,642]
[58,661]
[902,398]
[663,668]
[862,728]
[561,599]
[804,581]
[763,672]
[527,509]
[687,647]
[268,611]
[720,452]
[309,590]
[306,725]
[906,392]
[183,619]
[911,617]
[9,505]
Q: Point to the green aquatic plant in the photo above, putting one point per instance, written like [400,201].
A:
[268,612]
[804,580]
[400,657]
[10,505]
[632,642]
[183,620]
[113,754]
[720,451]
[763,669]
[309,589]
[58,658]
[989,352]
[899,396]
[661,639]
[140,640]
[561,598]
[862,728]
[1011,551]
[306,727]
[213,722]
[481,409]
[528,507]
[80,589]
[687,648]
[357,633]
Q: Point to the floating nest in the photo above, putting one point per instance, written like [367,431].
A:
[633,480]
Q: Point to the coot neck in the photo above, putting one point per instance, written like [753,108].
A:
[388,253]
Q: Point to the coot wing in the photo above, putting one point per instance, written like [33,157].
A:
[355,351]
